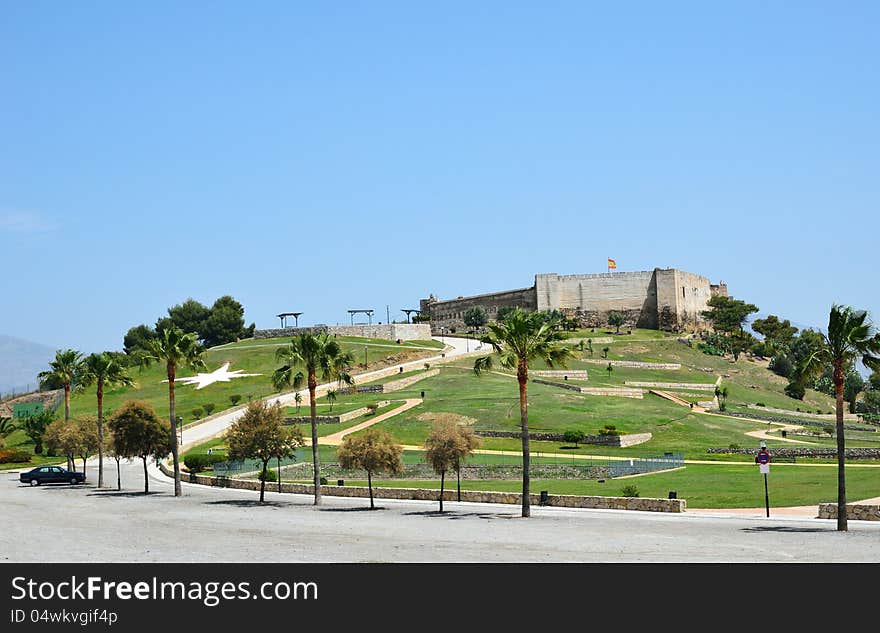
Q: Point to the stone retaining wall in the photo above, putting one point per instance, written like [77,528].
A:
[805,422]
[403,383]
[632,363]
[849,453]
[333,419]
[388,331]
[561,385]
[696,386]
[852,417]
[347,391]
[853,511]
[623,392]
[563,501]
[602,440]
[573,374]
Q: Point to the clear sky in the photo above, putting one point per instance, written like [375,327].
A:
[325,156]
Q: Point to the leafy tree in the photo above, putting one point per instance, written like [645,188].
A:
[260,434]
[102,370]
[869,406]
[727,314]
[63,436]
[174,348]
[779,334]
[317,354]
[225,323]
[605,351]
[208,407]
[616,319]
[609,369]
[850,337]
[590,346]
[781,365]
[874,380]
[476,317]
[190,316]
[65,370]
[137,431]
[795,389]
[86,438]
[234,399]
[518,339]
[110,449]
[197,413]
[739,343]
[35,427]
[573,437]
[331,398]
[443,448]
[374,451]
[137,339]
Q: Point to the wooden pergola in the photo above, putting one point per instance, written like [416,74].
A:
[283,316]
[408,311]
[369,314]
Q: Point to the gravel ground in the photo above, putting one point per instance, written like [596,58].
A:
[61,523]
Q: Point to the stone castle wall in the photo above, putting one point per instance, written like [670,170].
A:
[666,299]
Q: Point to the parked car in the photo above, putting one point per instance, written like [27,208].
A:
[51,475]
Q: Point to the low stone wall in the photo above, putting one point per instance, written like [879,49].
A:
[347,391]
[855,511]
[562,501]
[696,386]
[602,440]
[832,417]
[621,392]
[388,331]
[333,419]
[849,453]
[403,383]
[635,364]
[757,415]
[561,385]
[573,374]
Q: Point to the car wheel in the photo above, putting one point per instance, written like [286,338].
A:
[34,482]
[73,480]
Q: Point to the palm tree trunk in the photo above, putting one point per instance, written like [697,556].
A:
[174,456]
[70,463]
[370,486]
[84,465]
[263,483]
[100,433]
[118,476]
[146,477]
[313,384]
[442,480]
[522,376]
[841,453]
[458,481]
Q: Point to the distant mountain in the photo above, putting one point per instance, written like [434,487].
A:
[20,362]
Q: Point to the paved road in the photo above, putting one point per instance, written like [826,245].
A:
[62,523]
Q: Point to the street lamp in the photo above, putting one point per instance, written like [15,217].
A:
[180,429]
[442,332]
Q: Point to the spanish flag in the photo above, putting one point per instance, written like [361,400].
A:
[611,264]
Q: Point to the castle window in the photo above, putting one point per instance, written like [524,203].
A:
[682,292]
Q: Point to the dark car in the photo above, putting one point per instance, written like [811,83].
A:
[51,475]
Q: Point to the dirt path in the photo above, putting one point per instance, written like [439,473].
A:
[336,438]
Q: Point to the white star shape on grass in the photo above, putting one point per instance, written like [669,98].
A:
[218,375]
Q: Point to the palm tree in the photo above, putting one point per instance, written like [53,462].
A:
[851,337]
[518,339]
[316,354]
[174,348]
[103,370]
[331,398]
[7,427]
[298,398]
[64,370]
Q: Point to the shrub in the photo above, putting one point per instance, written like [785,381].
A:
[208,407]
[200,461]
[610,429]
[323,481]
[722,406]
[10,456]
[371,408]
[781,365]
[734,446]
[629,491]
[271,475]
[828,429]
[197,412]
[234,399]
[795,390]
[760,404]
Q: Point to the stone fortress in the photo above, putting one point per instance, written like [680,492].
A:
[660,299]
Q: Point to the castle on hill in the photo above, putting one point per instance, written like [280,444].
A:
[660,299]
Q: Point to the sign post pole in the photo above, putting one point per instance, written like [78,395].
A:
[763,461]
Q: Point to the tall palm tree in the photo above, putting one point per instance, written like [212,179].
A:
[64,370]
[103,370]
[176,349]
[317,354]
[851,337]
[518,339]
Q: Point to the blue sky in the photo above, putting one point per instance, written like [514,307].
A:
[321,157]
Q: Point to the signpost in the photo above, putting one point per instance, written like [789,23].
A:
[763,461]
